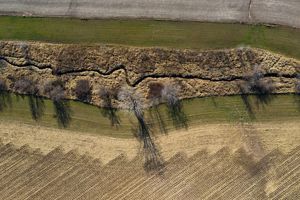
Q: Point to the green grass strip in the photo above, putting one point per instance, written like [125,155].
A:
[150,33]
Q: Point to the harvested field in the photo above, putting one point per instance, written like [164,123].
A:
[225,175]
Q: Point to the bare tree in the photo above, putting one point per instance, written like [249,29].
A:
[155,97]
[25,86]
[55,90]
[83,90]
[25,49]
[297,85]
[5,98]
[246,100]
[170,95]
[297,91]
[131,100]
[108,110]
[3,86]
[36,104]
[255,83]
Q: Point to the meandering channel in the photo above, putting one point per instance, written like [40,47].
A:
[41,66]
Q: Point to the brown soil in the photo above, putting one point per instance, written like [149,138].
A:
[28,174]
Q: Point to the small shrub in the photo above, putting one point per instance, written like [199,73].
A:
[155,90]
[83,90]
[108,110]
[55,90]
[297,86]
[155,97]
[25,49]
[170,95]
[25,86]
[3,86]
[37,107]
[63,113]
[5,98]
[132,101]
[256,83]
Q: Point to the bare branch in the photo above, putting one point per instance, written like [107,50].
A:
[83,90]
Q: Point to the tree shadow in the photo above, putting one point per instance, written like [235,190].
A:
[156,116]
[261,88]
[176,112]
[250,136]
[55,89]
[155,98]
[247,102]
[214,102]
[170,94]
[63,113]
[261,101]
[297,91]
[132,101]
[153,159]
[111,114]
[297,100]
[37,107]
[83,90]
[264,99]
[5,100]
[108,111]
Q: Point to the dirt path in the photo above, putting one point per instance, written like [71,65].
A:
[212,137]
[285,12]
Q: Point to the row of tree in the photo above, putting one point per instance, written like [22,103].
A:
[128,97]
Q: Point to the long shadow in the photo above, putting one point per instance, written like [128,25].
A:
[247,102]
[257,85]
[261,101]
[177,114]
[297,100]
[250,136]
[111,114]
[214,102]
[156,116]
[5,100]
[108,110]
[37,107]
[153,160]
[297,92]
[63,113]
[264,99]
